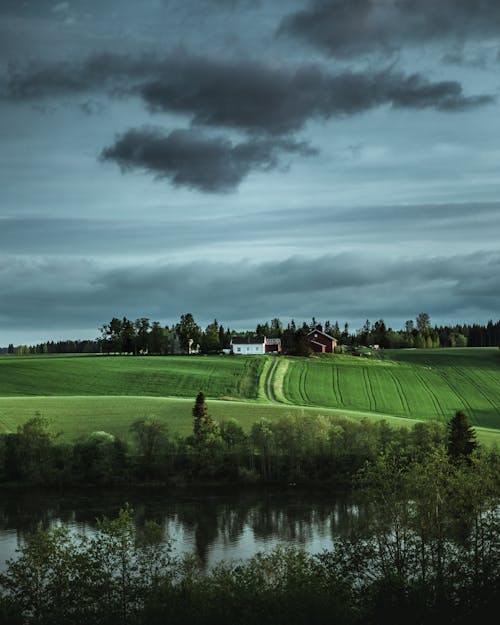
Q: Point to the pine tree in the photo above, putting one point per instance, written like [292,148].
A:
[461,437]
[205,428]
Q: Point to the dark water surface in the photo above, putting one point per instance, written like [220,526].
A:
[215,523]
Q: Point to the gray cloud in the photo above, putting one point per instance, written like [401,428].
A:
[256,97]
[103,71]
[436,224]
[251,96]
[349,27]
[189,158]
[62,293]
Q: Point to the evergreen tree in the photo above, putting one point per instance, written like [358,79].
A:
[461,437]
[205,428]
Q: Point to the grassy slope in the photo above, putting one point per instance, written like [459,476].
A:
[74,416]
[408,383]
[216,376]
[109,393]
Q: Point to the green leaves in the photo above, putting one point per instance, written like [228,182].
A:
[60,577]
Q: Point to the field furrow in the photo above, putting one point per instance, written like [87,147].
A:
[369,393]
[425,388]
[336,385]
[491,398]
[405,407]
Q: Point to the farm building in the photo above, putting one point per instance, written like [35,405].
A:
[255,345]
[321,342]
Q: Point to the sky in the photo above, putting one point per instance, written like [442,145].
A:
[247,159]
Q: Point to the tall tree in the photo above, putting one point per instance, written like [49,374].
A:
[423,322]
[210,341]
[461,437]
[142,329]
[157,338]
[188,330]
[205,429]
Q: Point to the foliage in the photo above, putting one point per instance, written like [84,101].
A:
[100,458]
[461,437]
[62,578]
[207,440]
[151,438]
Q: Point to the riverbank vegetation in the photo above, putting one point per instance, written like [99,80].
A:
[428,552]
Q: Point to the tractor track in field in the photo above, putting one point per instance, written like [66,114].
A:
[369,391]
[479,388]
[336,385]
[269,383]
[448,380]
[399,389]
[433,397]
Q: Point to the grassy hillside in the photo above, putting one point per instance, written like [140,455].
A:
[216,376]
[408,383]
[85,393]
[74,416]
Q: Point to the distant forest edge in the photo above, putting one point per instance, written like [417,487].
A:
[142,336]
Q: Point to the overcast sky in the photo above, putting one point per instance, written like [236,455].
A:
[246,159]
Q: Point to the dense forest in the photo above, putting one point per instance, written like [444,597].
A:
[142,336]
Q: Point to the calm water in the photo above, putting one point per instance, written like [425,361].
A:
[216,524]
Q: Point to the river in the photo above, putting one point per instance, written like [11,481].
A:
[214,523]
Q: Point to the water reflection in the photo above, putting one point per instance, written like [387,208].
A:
[214,524]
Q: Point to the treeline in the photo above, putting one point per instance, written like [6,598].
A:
[294,448]
[55,347]
[142,336]
[429,555]
[420,334]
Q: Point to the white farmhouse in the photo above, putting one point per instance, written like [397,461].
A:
[246,345]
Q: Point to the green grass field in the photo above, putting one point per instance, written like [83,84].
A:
[217,376]
[419,384]
[80,394]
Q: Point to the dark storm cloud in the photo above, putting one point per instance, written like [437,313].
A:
[191,159]
[251,96]
[72,293]
[257,97]
[348,27]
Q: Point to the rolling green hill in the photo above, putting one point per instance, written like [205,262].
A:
[217,376]
[420,384]
[85,393]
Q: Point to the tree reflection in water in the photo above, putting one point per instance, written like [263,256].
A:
[213,524]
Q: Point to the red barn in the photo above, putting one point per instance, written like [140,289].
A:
[321,342]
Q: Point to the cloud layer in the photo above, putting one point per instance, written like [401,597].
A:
[58,293]
[250,96]
[345,28]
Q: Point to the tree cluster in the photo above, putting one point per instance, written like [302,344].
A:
[144,337]
[295,448]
